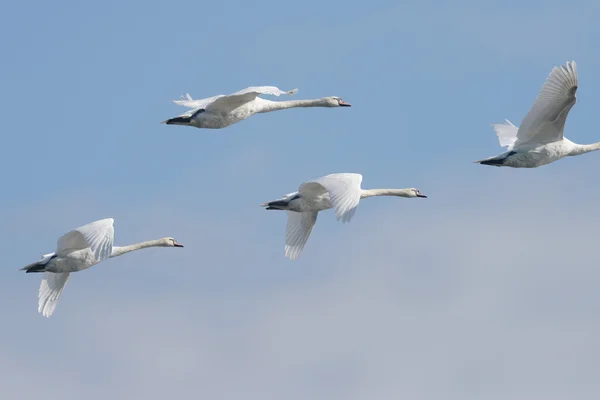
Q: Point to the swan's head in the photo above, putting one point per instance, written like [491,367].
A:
[334,101]
[416,193]
[170,242]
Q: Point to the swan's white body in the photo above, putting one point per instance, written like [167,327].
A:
[77,250]
[221,111]
[342,192]
[540,139]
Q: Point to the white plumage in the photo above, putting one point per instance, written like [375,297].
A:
[223,110]
[342,192]
[77,250]
[540,138]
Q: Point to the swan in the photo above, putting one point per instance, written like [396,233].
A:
[342,192]
[221,111]
[539,140]
[77,250]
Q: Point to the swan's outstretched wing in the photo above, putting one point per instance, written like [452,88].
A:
[98,236]
[187,101]
[299,227]
[254,91]
[50,289]
[545,121]
[507,134]
[238,98]
[344,192]
[225,103]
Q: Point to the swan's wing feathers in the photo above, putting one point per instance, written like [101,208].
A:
[98,236]
[50,290]
[269,90]
[344,193]
[187,101]
[507,134]
[226,103]
[299,227]
[241,96]
[545,122]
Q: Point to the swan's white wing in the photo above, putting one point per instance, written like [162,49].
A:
[256,90]
[240,97]
[545,121]
[507,134]
[299,227]
[187,101]
[98,236]
[50,289]
[344,192]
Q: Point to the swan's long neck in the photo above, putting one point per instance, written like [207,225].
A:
[578,149]
[385,192]
[268,106]
[120,250]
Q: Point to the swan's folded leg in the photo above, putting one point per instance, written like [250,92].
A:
[34,267]
[183,119]
[281,204]
[496,161]
[178,121]
[276,205]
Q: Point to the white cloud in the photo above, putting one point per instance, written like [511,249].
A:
[452,297]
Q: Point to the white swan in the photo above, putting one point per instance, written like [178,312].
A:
[342,192]
[78,250]
[221,111]
[539,140]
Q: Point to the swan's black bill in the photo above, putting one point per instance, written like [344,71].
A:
[422,195]
[178,245]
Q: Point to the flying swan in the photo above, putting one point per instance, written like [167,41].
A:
[221,111]
[78,250]
[539,140]
[341,192]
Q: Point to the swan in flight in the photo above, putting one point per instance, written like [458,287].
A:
[539,140]
[78,250]
[341,192]
[221,111]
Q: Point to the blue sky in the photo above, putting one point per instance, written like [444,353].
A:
[487,289]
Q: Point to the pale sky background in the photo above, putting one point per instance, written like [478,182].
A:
[488,289]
